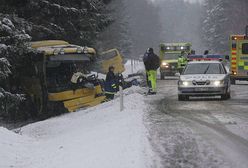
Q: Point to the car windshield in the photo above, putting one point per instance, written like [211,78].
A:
[170,56]
[204,68]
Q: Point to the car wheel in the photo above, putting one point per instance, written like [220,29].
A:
[162,76]
[229,96]
[225,96]
[233,81]
[186,98]
[182,98]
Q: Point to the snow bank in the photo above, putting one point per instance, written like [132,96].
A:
[12,148]
[138,66]
[97,137]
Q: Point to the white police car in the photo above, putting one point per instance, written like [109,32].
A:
[204,78]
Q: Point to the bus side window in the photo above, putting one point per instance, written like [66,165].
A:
[245,48]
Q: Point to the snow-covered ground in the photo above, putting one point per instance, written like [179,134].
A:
[101,136]
[152,131]
[202,132]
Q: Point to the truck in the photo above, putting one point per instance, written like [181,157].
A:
[169,53]
[239,57]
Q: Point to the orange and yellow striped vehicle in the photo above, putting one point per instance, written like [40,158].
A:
[239,57]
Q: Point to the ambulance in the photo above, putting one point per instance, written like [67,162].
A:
[239,57]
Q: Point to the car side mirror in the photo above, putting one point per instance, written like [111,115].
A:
[227,57]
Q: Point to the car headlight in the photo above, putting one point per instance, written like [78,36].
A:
[184,83]
[164,63]
[218,83]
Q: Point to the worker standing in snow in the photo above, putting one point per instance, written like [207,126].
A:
[111,82]
[181,62]
[152,63]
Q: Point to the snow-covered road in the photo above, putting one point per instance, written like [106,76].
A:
[200,133]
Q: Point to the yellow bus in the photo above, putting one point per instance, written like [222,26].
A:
[109,58]
[47,81]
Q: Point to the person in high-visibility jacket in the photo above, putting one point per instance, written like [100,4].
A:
[152,63]
[181,62]
[111,84]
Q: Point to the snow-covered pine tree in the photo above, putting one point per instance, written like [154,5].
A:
[13,52]
[221,19]
[77,21]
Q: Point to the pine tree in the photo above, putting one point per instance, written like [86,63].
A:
[77,21]
[221,19]
[13,48]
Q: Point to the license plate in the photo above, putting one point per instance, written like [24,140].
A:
[201,89]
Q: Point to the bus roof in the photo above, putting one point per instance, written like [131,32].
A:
[55,47]
[45,43]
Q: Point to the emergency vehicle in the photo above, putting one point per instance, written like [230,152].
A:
[239,57]
[169,53]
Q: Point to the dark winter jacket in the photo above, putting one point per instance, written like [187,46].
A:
[151,61]
[110,76]
[110,85]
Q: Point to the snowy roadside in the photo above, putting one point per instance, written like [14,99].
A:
[101,136]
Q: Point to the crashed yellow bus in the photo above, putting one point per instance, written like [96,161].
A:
[109,58]
[49,82]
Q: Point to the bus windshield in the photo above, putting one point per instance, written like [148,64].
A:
[59,73]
